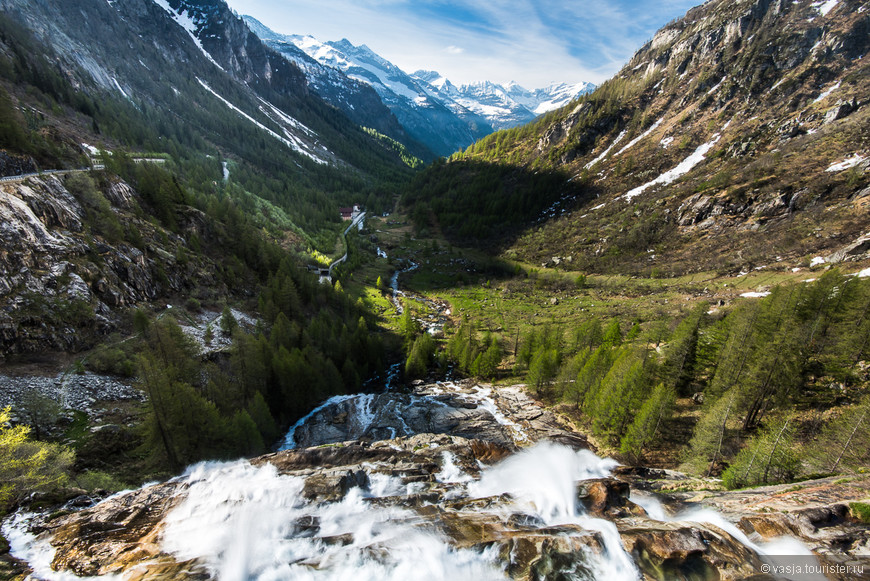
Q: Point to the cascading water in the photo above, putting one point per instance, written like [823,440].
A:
[783,546]
[242,522]
[543,481]
[252,523]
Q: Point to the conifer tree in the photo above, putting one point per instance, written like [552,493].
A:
[680,352]
[842,445]
[769,458]
[621,392]
[543,367]
[585,390]
[420,356]
[612,334]
[648,422]
[711,437]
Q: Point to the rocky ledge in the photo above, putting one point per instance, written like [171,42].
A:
[502,501]
[506,415]
[439,488]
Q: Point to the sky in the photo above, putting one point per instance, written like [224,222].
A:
[532,42]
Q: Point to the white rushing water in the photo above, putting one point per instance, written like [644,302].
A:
[244,522]
[542,480]
[247,523]
[252,523]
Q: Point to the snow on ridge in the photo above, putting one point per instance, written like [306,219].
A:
[671,175]
[396,87]
[187,23]
[847,163]
[716,88]
[288,119]
[290,141]
[606,151]
[634,141]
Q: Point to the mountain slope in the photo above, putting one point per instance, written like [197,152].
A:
[354,98]
[442,129]
[736,137]
[190,79]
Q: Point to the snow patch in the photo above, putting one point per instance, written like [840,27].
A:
[823,7]
[818,260]
[634,141]
[864,273]
[671,175]
[847,163]
[606,151]
[755,295]
[666,141]
[187,23]
[293,143]
[118,86]
[288,120]
[716,88]
[827,92]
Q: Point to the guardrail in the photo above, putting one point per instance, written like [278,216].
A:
[55,172]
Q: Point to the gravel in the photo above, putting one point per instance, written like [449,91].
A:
[72,391]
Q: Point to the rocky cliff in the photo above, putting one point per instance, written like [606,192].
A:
[63,285]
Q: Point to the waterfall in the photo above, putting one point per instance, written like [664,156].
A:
[244,523]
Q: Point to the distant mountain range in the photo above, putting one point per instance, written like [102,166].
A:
[432,110]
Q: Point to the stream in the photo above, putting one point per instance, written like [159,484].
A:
[487,498]
[444,481]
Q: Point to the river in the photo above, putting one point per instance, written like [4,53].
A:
[500,501]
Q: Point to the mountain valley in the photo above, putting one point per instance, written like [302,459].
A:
[653,296]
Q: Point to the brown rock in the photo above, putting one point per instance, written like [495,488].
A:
[607,497]
[673,550]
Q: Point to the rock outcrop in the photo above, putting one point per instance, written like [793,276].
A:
[62,286]
[506,416]
[124,534]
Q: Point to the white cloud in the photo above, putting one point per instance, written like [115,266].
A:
[533,42]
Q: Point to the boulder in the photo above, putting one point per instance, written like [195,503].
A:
[607,497]
[674,550]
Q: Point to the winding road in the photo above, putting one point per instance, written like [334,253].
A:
[353,223]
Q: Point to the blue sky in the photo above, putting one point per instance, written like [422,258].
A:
[533,42]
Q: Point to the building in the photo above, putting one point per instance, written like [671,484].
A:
[350,213]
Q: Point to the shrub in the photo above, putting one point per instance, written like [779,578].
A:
[92,480]
[27,465]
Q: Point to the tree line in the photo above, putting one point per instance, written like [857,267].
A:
[767,373]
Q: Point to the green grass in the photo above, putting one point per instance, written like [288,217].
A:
[860,511]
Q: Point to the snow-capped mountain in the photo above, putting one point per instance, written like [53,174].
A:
[441,128]
[431,108]
[355,98]
[549,98]
[503,106]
